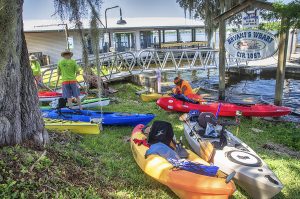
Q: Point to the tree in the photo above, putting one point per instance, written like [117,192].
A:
[74,11]
[290,12]
[208,10]
[20,116]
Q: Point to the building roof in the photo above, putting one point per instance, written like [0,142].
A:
[132,23]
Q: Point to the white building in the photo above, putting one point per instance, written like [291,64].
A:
[137,34]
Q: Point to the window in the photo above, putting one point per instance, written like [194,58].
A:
[200,35]
[124,41]
[185,35]
[170,36]
[148,39]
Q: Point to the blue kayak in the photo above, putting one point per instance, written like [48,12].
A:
[108,118]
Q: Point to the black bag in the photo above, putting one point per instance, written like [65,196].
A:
[204,118]
[161,131]
[62,103]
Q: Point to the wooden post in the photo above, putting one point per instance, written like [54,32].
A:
[222,59]
[178,35]
[67,36]
[222,53]
[159,38]
[164,38]
[109,41]
[282,55]
[193,34]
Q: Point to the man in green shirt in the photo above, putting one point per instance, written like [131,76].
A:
[68,70]
[36,69]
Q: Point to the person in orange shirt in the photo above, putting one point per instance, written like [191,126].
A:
[182,87]
[183,91]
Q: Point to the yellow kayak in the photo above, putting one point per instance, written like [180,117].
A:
[74,127]
[150,97]
[183,183]
[153,96]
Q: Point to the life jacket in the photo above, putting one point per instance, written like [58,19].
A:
[178,163]
[188,90]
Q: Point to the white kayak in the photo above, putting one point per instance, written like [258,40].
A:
[50,98]
[86,103]
[252,173]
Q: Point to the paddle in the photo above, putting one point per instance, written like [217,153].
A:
[179,148]
[218,111]
[238,115]
[42,85]
[206,148]
[57,82]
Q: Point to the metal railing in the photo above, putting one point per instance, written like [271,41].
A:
[153,59]
[110,64]
[116,65]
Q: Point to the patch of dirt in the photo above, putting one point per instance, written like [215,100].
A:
[126,139]
[281,150]
[255,130]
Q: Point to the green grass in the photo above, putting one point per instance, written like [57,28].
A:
[102,166]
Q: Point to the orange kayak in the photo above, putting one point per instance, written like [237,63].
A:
[183,183]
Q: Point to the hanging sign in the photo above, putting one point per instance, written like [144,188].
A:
[71,43]
[251,45]
[250,19]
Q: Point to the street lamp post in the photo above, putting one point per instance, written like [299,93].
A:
[121,21]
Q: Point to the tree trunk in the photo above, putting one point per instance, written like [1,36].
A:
[20,116]
[210,35]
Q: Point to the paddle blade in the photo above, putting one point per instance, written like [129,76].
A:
[183,117]
[206,150]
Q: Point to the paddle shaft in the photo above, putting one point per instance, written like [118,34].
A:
[206,148]
[43,85]
[192,130]
[57,82]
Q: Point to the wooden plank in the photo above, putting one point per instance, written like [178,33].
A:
[280,74]
[264,5]
[242,6]
[184,44]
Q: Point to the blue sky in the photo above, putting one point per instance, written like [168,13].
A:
[43,9]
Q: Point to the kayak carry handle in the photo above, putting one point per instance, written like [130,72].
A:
[229,177]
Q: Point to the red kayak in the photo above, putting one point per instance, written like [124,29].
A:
[45,94]
[226,109]
[49,96]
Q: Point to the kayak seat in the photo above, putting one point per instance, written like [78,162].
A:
[201,133]
[222,143]
[216,145]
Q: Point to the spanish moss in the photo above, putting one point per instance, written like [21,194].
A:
[74,11]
